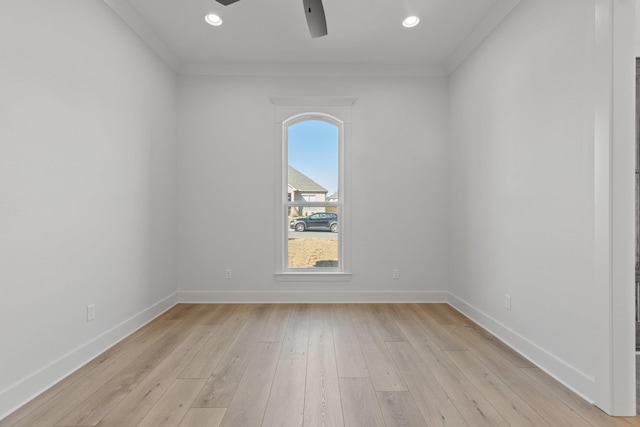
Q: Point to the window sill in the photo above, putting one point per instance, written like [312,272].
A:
[327,276]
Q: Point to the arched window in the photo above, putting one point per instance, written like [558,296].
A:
[312,146]
[312,210]
[311,193]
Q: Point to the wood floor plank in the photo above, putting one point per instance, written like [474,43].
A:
[46,405]
[589,412]
[276,326]
[499,362]
[383,320]
[205,362]
[485,340]
[203,417]
[66,384]
[250,399]
[178,311]
[57,407]
[415,371]
[381,366]
[285,407]
[200,314]
[322,403]
[444,340]
[174,404]
[510,406]
[445,314]
[456,373]
[218,313]
[223,382]
[94,408]
[507,352]
[637,367]
[399,409]
[349,358]
[432,401]
[132,409]
[472,405]
[633,421]
[398,311]
[296,338]
[359,403]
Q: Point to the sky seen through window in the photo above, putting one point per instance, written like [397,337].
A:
[313,150]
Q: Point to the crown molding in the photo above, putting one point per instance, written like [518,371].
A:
[498,14]
[123,9]
[313,70]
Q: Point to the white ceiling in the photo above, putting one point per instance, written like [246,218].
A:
[272,34]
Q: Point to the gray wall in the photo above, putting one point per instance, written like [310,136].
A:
[522,192]
[226,184]
[87,187]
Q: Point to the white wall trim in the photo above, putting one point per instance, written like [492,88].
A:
[311,297]
[614,154]
[499,12]
[579,382]
[16,395]
[602,194]
[123,9]
[622,210]
[311,70]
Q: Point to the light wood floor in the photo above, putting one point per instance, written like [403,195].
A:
[310,365]
[637,383]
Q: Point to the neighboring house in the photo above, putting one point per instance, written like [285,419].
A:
[303,188]
[333,198]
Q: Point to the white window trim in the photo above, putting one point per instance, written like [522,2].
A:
[334,110]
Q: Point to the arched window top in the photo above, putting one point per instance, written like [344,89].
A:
[313,150]
[323,117]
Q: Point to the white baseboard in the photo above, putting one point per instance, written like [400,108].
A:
[16,395]
[309,297]
[579,382]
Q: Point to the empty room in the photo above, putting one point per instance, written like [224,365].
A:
[318,213]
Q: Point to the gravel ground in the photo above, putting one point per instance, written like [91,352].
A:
[305,253]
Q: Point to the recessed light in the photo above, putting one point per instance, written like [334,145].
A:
[213,19]
[411,21]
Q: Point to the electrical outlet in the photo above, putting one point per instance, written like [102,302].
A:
[507,301]
[227,273]
[395,273]
[91,312]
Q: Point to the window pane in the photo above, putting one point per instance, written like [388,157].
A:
[313,161]
[311,242]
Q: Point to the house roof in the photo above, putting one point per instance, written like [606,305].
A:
[301,182]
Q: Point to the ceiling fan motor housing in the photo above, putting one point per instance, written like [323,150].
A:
[314,12]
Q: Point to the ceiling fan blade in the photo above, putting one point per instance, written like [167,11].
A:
[226,2]
[317,22]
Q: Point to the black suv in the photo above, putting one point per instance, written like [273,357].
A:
[316,221]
